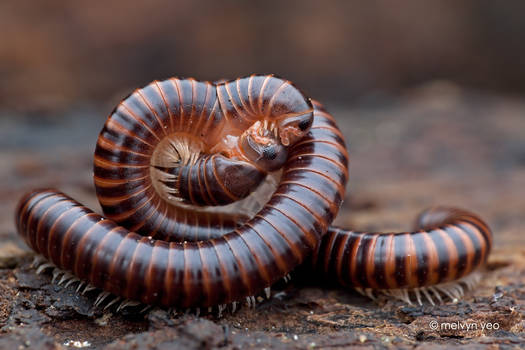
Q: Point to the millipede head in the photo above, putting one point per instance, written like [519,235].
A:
[263,148]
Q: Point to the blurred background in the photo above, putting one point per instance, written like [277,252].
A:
[428,94]
[55,54]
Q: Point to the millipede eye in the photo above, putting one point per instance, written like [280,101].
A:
[269,153]
[303,125]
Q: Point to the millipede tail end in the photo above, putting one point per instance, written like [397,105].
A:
[441,260]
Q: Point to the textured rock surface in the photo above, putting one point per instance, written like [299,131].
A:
[436,145]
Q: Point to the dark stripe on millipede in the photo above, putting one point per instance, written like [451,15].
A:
[421,251]
[331,256]
[442,253]
[346,273]
[361,259]
[86,247]
[400,251]
[478,245]
[380,260]
[460,248]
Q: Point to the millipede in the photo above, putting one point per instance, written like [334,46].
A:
[212,192]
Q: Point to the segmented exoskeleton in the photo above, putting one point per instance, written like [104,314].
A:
[175,165]
[448,245]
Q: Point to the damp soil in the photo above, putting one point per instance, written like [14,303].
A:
[434,145]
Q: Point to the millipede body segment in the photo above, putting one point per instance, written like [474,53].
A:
[454,245]
[179,161]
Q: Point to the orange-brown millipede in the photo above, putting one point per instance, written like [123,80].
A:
[177,165]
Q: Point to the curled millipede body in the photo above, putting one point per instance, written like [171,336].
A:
[177,122]
[177,164]
[204,272]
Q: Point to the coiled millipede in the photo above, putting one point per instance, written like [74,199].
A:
[213,192]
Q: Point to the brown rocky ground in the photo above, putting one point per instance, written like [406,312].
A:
[435,145]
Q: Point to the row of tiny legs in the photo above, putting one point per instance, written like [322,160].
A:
[66,279]
[452,290]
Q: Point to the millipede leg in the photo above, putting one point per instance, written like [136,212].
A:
[71,281]
[369,293]
[127,303]
[56,274]
[447,292]
[267,292]
[80,286]
[221,309]
[418,296]
[427,295]
[407,296]
[44,267]
[37,261]
[436,294]
[65,278]
[146,308]
[88,288]
[115,299]
[101,297]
